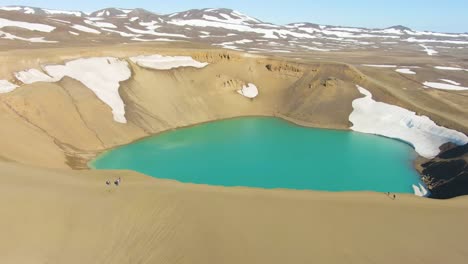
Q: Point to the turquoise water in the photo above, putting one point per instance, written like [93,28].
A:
[270,153]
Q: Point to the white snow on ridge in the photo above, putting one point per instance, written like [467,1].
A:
[32,76]
[61,12]
[159,62]
[150,25]
[25,25]
[445,86]
[6,86]
[11,8]
[101,75]
[232,18]
[126,11]
[245,17]
[102,13]
[249,91]
[393,121]
[405,71]
[393,31]
[268,33]
[85,29]
[358,30]
[26,10]
[227,19]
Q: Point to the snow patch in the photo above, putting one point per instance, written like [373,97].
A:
[420,190]
[101,75]
[26,25]
[429,50]
[152,32]
[459,42]
[393,121]
[445,86]
[26,10]
[6,35]
[6,86]
[11,8]
[249,91]
[62,12]
[449,81]
[405,71]
[86,29]
[448,68]
[159,62]
[32,76]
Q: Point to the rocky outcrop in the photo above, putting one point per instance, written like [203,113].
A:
[285,68]
[447,174]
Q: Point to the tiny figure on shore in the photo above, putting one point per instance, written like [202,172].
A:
[117,182]
[391,196]
[108,182]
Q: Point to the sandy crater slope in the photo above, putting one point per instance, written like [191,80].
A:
[56,216]
[55,210]
[76,116]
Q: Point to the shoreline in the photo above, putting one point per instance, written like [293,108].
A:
[279,116]
[412,162]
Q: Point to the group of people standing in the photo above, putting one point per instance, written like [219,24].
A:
[116,182]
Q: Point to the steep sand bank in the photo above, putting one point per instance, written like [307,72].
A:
[58,216]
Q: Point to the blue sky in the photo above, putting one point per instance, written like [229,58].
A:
[444,16]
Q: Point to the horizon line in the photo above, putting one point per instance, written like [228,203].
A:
[280,24]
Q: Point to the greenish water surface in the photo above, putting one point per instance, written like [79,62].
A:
[270,153]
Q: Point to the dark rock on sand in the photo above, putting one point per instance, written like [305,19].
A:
[447,174]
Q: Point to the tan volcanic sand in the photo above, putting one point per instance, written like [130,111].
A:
[70,217]
[62,216]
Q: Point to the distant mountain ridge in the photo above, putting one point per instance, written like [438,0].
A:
[220,27]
